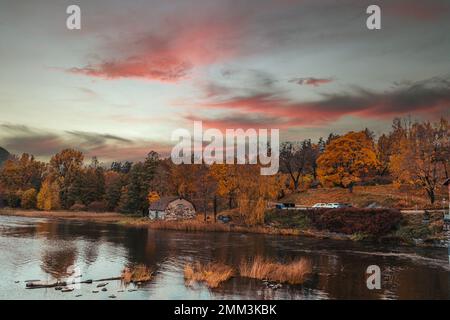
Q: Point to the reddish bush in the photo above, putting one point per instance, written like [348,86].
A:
[353,220]
[98,206]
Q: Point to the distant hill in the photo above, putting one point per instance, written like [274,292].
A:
[4,155]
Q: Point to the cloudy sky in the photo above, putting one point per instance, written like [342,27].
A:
[137,70]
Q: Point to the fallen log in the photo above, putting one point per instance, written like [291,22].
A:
[108,279]
[41,285]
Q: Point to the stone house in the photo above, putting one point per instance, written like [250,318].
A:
[171,208]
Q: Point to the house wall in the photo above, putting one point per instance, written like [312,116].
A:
[180,209]
[156,215]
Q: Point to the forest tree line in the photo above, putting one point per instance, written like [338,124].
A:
[412,153]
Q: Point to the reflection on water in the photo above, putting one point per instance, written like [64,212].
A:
[45,250]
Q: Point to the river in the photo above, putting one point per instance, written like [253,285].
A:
[42,249]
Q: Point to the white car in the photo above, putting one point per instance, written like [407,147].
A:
[320,205]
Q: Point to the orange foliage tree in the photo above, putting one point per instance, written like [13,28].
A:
[422,158]
[346,159]
[48,197]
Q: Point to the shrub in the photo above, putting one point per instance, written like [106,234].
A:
[98,206]
[287,218]
[409,233]
[375,222]
[78,207]
[29,199]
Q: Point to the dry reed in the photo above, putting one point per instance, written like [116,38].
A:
[139,273]
[212,274]
[260,268]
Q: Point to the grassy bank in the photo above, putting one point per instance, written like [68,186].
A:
[388,196]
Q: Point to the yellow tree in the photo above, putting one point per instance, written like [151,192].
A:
[227,181]
[152,197]
[254,191]
[346,159]
[48,197]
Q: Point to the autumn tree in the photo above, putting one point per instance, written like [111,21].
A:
[114,182]
[226,177]
[387,145]
[29,199]
[205,189]
[421,159]
[183,179]
[66,169]
[94,182]
[22,173]
[19,174]
[48,197]
[254,192]
[152,197]
[134,194]
[299,159]
[346,159]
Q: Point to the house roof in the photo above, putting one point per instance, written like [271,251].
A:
[447,182]
[162,203]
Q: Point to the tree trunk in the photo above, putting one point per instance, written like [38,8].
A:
[431,195]
[215,208]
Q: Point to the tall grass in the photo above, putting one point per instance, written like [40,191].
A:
[260,268]
[139,273]
[195,225]
[212,274]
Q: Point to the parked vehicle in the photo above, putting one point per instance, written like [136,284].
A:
[332,205]
[224,219]
[280,206]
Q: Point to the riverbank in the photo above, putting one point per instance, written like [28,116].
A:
[189,226]
[411,232]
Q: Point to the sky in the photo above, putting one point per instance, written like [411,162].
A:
[138,70]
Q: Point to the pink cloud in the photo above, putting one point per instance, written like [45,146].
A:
[430,97]
[169,55]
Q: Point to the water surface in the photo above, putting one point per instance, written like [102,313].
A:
[44,249]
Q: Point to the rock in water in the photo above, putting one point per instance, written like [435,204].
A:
[102,285]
